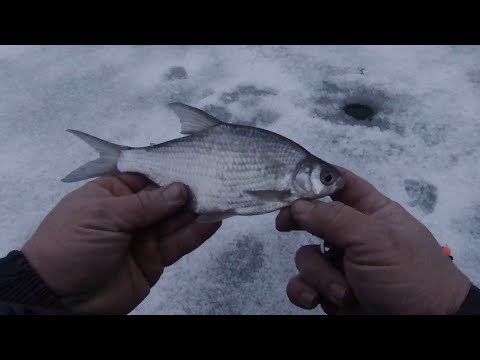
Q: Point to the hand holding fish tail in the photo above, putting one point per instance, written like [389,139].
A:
[384,260]
[106,244]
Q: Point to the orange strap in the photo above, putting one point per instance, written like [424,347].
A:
[447,250]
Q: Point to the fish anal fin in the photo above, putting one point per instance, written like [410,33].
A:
[214,217]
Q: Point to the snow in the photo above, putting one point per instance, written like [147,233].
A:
[420,148]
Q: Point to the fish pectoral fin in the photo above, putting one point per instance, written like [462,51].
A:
[271,195]
[215,216]
[193,120]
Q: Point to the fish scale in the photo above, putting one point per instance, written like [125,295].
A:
[230,169]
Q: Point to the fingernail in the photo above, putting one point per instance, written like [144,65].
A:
[308,299]
[174,193]
[301,206]
[336,293]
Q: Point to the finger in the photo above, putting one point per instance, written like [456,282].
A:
[149,207]
[146,250]
[305,296]
[360,194]
[173,224]
[151,187]
[319,273]
[328,307]
[338,224]
[302,294]
[284,221]
[147,256]
[134,181]
[334,256]
[185,240]
[123,184]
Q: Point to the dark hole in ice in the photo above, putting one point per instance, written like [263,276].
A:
[176,73]
[421,194]
[359,111]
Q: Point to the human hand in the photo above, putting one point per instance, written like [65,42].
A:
[106,244]
[385,261]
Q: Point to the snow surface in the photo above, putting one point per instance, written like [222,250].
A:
[420,149]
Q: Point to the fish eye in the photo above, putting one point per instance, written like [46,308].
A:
[327,179]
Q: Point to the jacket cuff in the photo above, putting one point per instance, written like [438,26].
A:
[471,304]
[20,284]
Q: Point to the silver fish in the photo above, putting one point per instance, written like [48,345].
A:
[230,169]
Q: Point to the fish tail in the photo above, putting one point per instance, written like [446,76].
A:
[106,164]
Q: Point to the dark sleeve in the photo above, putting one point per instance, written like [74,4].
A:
[471,305]
[23,292]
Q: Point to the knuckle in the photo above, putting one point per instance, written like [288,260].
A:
[185,191]
[93,183]
[143,199]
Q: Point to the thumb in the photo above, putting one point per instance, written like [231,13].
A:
[148,206]
[336,223]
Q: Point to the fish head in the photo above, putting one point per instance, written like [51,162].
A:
[315,178]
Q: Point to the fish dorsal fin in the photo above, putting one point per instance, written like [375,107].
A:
[192,119]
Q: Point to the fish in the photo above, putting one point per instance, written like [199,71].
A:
[230,169]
